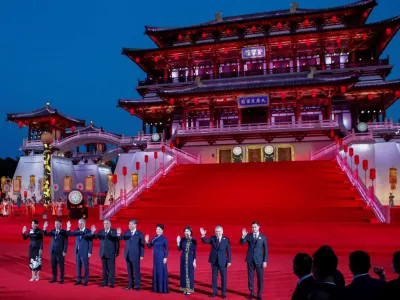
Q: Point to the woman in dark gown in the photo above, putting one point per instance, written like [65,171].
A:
[160,255]
[188,260]
[35,248]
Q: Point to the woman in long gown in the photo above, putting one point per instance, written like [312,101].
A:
[35,248]
[160,256]
[188,260]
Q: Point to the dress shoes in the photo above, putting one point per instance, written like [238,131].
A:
[111,286]
[62,281]
[85,283]
[213,295]
[223,296]
[77,283]
[128,288]
[52,281]
[251,296]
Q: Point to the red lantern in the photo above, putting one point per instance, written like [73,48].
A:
[306,22]
[196,101]
[203,35]
[340,142]
[372,174]
[146,158]
[115,179]
[20,124]
[177,141]
[370,97]
[332,134]
[388,31]
[53,121]
[171,145]
[225,50]
[398,94]
[279,25]
[163,149]
[137,166]
[334,19]
[338,39]
[364,36]
[228,32]
[365,164]
[314,94]
[365,14]
[283,95]
[155,155]
[155,58]
[357,160]
[343,89]
[308,42]
[351,152]
[225,100]
[137,60]
[172,101]
[280,45]
[132,111]
[124,170]
[176,56]
[180,37]
[253,29]
[336,139]
[153,110]
[73,129]
[25,194]
[346,148]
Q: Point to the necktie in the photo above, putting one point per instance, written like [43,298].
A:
[219,242]
[56,231]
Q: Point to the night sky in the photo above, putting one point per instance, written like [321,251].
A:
[68,53]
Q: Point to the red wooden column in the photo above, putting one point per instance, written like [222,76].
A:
[329,109]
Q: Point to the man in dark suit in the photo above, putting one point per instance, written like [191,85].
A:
[220,258]
[133,253]
[109,250]
[83,250]
[392,289]
[256,258]
[302,264]
[58,249]
[363,286]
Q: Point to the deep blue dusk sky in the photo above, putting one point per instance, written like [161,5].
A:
[68,53]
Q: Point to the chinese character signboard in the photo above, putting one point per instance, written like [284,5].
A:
[253,101]
[253,52]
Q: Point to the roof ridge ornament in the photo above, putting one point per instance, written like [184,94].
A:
[218,17]
[313,71]
[293,7]
[198,82]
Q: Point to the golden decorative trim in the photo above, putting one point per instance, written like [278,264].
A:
[261,148]
[225,148]
[283,146]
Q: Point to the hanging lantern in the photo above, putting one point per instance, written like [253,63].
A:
[306,22]
[176,56]
[163,149]
[203,35]
[180,37]
[314,94]
[155,155]
[331,133]
[283,95]
[356,160]
[365,164]
[115,179]
[132,111]
[225,50]
[340,142]
[392,178]
[25,194]
[124,170]
[155,58]
[172,101]
[365,14]
[20,124]
[343,89]
[338,39]
[308,42]
[196,101]
[351,152]
[364,36]
[336,139]
[372,174]
[228,32]
[279,25]
[388,31]
[153,110]
[370,97]
[280,45]
[334,19]
[346,148]
[146,158]
[53,121]
[137,166]
[171,145]
[397,94]
[137,60]
[253,29]
[73,129]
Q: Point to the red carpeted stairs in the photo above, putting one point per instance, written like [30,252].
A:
[309,191]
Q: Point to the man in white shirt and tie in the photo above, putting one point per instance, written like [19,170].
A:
[256,258]
[58,249]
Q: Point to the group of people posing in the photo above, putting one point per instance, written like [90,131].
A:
[135,241]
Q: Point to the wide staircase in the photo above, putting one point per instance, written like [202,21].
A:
[310,191]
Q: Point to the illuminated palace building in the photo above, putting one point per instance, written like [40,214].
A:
[289,85]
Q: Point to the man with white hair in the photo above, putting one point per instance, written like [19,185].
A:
[220,258]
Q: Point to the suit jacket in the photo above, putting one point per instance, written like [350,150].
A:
[59,242]
[326,291]
[83,242]
[219,254]
[303,289]
[134,245]
[257,251]
[109,243]
[365,288]
[392,290]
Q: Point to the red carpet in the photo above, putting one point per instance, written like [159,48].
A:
[300,206]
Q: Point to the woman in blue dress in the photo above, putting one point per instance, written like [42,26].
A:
[188,260]
[160,256]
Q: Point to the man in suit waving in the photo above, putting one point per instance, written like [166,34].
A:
[58,249]
[133,253]
[220,258]
[256,258]
[109,249]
